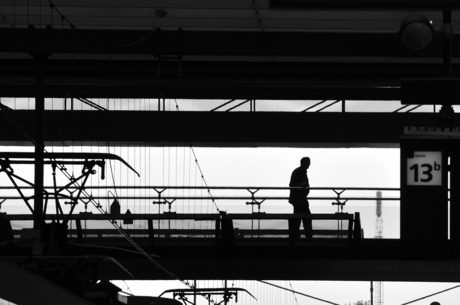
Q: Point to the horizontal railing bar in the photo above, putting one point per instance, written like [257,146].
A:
[340,216]
[214,198]
[201,231]
[174,231]
[196,232]
[118,217]
[218,188]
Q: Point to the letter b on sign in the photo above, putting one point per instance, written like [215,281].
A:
[425,168]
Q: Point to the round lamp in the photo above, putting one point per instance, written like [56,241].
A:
[416,31]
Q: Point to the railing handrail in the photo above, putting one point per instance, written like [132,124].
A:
[214,197]
[322,216]
[220,188]
[198,217]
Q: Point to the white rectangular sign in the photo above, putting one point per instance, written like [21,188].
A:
[425,168]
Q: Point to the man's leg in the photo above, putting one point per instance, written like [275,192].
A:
[294,225]
[307,223]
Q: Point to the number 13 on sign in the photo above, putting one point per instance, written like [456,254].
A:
[425,168]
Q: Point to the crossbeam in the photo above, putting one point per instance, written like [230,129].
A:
[22,157]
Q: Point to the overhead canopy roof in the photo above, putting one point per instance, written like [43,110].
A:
[226,15]
[216,49]
[225,50]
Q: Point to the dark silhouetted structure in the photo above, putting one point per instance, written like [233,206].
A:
[298,199]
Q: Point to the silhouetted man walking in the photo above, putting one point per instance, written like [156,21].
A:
[298,199]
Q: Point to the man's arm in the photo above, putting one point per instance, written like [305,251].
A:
[296,180]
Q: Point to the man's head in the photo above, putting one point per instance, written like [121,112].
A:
[305,162]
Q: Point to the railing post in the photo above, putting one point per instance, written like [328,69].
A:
[151,236]
[228,235]
[79,231]
[224,230]
[291,231]
[350,231]
[218,233]
[6,231]
[357,235]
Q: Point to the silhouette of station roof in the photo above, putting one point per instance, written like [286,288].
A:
[216,49]
[229,49]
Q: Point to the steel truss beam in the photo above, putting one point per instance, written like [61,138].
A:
[216,79]
[215,129]
[223,43]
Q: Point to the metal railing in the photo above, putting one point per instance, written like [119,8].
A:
[252,192]
[223,232]
[163,228]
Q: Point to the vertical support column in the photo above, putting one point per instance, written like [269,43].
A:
[160,99]
[424,229]
[357,236]
[194,292]
[39,147]
[454,198]
[372,293]
[151,234]
[218,232]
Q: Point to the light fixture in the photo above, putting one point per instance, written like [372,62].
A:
[416,31]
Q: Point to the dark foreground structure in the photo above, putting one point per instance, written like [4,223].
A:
[324,57]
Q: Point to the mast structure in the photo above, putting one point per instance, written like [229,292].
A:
[378,235]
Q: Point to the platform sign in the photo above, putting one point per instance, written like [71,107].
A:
[425,168]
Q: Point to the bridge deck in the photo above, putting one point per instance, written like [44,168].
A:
[249,254]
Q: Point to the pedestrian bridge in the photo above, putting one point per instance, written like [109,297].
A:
[225,244]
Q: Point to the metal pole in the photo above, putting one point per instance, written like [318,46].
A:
[225,291]
[39,147]
[194,292]
[372,293]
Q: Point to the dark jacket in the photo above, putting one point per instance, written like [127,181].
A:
[299,176]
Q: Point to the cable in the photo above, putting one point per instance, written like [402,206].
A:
[202,177]
[183,183]
[91,40]
[431,295]
[127,287]
[306,295]
[201,172]
[111,170]
[189,176]
[295,297]
[113,248]
[114,222]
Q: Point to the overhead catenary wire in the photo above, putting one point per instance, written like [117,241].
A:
[295,297]
[199,167]
[299,293]
[90,39]
[430,295]
[203,179]
[108,216]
